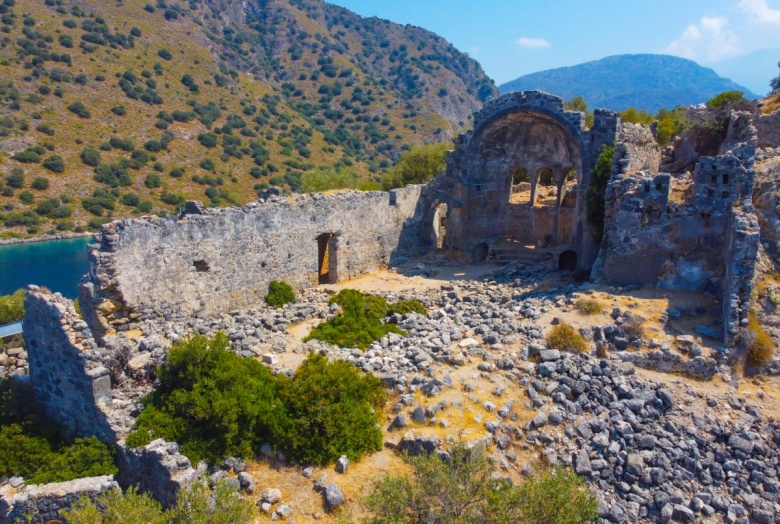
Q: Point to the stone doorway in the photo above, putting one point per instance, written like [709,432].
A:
[567,261]
[326,258]
[440,225]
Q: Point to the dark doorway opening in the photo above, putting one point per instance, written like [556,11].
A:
[326,258]
[480,253]
[567,261]
[440,224]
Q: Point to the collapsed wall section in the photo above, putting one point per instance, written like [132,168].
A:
[66,367]
[704,239]
[224,259]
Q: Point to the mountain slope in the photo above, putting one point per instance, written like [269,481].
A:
[130,107]
[754,70]
[648,82]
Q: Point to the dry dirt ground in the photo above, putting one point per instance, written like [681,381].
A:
[467,413]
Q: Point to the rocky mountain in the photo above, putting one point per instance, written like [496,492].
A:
[648,82]
[110,109]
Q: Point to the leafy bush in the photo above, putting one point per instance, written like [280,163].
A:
[113,174]
[200,404]
[566,338]
[279,293]
[12,307]
[165,54]
[359,323]
[120,143]
[461,489]
[331,411]
[404,307]
[79,109]
[15,178]
[54,163]
[196,504]
[327,179]
[419,165]
[153,181]
[40,183]
[589,307]
[130,199]
[36,447]
[727,97]
[25,197]
[761,349]
[208,139]
[90,156]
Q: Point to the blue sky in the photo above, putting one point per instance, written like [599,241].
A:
[511,38]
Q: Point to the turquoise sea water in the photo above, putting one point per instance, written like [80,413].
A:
[56,264]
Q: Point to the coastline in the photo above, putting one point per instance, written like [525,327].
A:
[47,238]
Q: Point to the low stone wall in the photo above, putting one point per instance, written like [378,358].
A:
[223,259]
[13,361]
[41,504]
[66,368]
[701,368]
[158,469]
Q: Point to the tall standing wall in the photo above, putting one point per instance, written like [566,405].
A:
[224,259]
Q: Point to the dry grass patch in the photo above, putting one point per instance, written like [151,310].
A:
[566,338]
[588,306]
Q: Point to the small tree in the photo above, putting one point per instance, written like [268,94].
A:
[419,165]
[594,197]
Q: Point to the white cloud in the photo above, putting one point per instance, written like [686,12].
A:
[760,11]
[533,43]
[707,41]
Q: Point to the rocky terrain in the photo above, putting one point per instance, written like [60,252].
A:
[656,446]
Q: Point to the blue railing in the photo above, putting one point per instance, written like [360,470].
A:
[10,329]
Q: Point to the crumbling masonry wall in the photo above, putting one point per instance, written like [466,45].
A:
[708,241]
[532,131]
[224,259]
[66,368]
[768,130]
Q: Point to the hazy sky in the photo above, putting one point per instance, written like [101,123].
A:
[511,38]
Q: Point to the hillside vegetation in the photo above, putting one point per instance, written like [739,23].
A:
[109,110]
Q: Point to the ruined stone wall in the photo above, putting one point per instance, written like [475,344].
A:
[41,504]
[637,150]
[530,130]
[66,368]
[159,469]
[708,242]
[224,259]
[768,128]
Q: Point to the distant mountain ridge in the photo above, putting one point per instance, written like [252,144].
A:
[643,81]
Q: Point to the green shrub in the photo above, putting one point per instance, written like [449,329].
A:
[200,404]
[54,163]
[208,139]
[462,489]
[359,323]
[15,178]
[419,165]
[331,411]
[153,181]
[165,54]
[40,183]
[594,196]
[130,199]
[79,109]
[121,143]
[25,197]
[404,307]
[39,449]
[279,294]
[589,307]
[197,504]
[566,338]
[326,410]
[12,307]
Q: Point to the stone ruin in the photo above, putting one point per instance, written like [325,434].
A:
[515,187]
